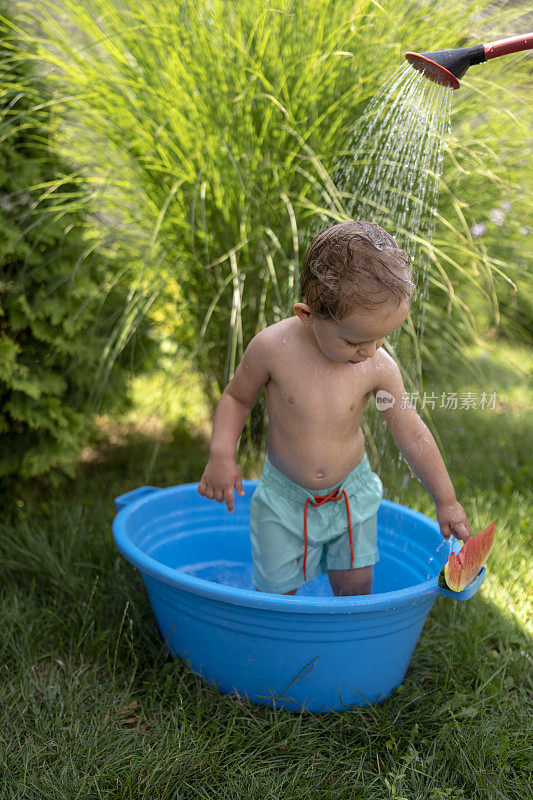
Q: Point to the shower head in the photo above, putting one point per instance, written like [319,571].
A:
[448,66]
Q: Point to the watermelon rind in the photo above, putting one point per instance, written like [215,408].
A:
[442,580]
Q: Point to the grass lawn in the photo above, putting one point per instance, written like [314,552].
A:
[91,707]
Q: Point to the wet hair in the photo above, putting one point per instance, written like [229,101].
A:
[354,264]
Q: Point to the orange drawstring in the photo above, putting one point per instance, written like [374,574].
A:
[320,500]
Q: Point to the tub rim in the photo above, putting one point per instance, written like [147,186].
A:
[382,601]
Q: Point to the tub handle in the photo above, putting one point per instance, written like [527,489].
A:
[135,494]
[467,593]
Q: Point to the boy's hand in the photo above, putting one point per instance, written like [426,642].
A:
[452,520]
[220,477]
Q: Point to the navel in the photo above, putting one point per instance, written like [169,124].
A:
[352,407]
[291,399]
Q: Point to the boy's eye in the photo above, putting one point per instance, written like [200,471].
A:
[357,344]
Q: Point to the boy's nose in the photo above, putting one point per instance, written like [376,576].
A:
[367,349]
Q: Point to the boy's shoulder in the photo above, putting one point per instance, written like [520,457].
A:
[273,334]
[277,328]
[386,374]
[384,361]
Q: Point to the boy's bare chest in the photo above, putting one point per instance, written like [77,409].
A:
[316,392]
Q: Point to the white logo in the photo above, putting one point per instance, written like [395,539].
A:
[384,400]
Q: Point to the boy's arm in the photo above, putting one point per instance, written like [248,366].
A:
[221,474]
[419,448]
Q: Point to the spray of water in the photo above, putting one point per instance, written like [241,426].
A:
[390,172]
[391,169]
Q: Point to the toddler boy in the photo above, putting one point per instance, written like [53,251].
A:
[314,509]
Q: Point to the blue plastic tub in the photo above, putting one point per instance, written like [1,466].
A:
[312,650]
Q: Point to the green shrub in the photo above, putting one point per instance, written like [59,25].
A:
[224,119]
[60,303]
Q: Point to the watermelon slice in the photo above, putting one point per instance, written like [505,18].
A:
[461,569]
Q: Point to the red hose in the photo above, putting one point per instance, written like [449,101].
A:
[511,45]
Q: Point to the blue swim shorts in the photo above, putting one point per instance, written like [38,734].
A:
[296,533]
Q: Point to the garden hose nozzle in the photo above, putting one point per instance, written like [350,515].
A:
[448,66]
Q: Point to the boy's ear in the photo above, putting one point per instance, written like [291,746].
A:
[303,312]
